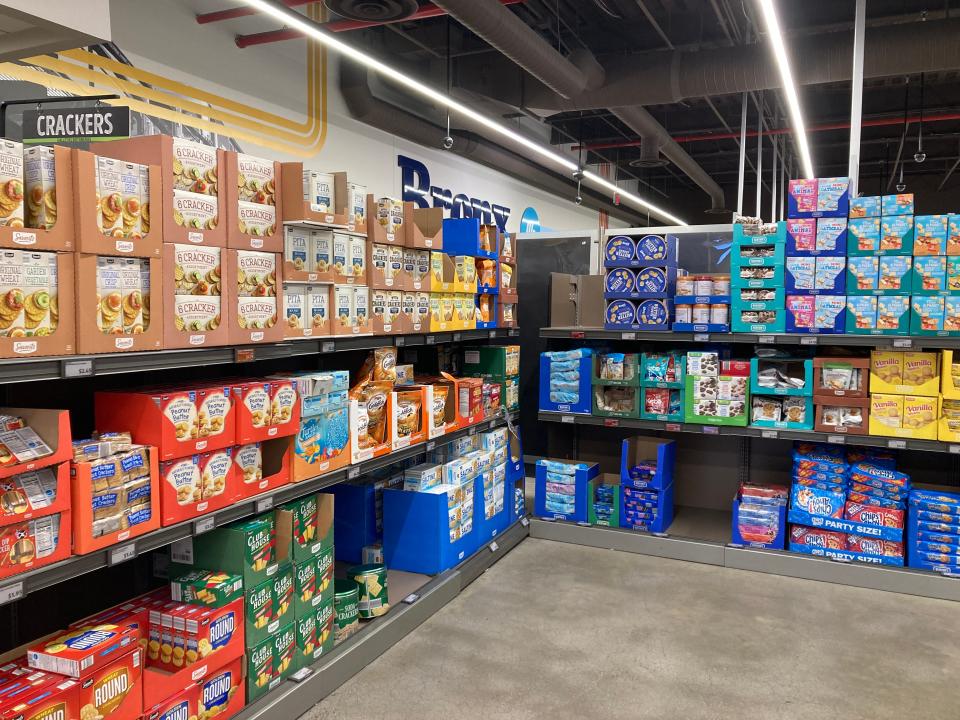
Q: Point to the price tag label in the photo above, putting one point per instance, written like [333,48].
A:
[492,334]
[472,430]
[431,340]
[701,337]
[770,434]
[953,449]
[611,422]
[411,598]
[837,439]
[204,525]
[77,368]
[568,419]
[766,339]
[264,504]
[353,472]
[122,554]
[711,430]
[243,355]
[494,547]
[301,674]
[400,341]
[903,343]
[897,444]
[181,551]
[577,335]
[327,346]
[672,427]
[524,521]
[12,592]
[808,340]
[628,336]
[431,445]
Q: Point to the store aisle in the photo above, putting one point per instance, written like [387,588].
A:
[564,631]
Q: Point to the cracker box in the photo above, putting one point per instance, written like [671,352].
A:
[831,236]
[308,523]
[357,258]
[256,180]
[953,234]
[896,235]
[314,636]
[195,211]
[260,675]
[284,647]
[57,698]
[927,315]
[257,220]
[896,205]
[114,692]
[361,309]
[189,487]
[929,275]
[951,314]
[246,548]
[803,197]
[33,543]
[953,274]
[194,167]
[82,650]
[258,612]
[11,184]
[40,183]
[863,236]
[282,595]
[220,692]
[295,317]
[318,191]
[344,314]
[181,706]
[206,588]
[296,248]
[930,235]
[318,308]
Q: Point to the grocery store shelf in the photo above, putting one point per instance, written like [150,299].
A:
[295,697]
[18,586]
[873,341]
[776,562]
[766,433]
[70,366]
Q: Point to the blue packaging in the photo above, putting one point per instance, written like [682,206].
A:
[896,235]
[833,199]
[620,280]
[652,312]
[865,207]
[652,280]
[896,204]
[621,312]
[817,502]
[831,236]
[620,249]
[652,247]
[863,236]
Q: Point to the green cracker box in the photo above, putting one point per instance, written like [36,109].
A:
[260,676]
[306,525]
[281,591]
[209,589]
[314,635]
[258,613]
[284,648]
[313,582]
[247,548]
[495,361]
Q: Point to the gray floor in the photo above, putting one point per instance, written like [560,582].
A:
[563,631]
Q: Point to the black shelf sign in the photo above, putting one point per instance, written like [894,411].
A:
[78,125]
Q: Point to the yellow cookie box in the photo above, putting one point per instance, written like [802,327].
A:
[949,382]
[905,373]
[905,416]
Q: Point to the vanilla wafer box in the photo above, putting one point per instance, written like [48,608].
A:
[11,184]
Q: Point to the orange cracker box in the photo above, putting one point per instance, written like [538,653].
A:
[220,692]
[252,400]
[80,650]
[114,691]
[54,700]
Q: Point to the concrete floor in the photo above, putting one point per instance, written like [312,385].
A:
[563,631]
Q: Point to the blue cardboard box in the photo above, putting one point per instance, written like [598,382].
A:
[355,517]
[643,452]
[487,521]
[648,510]
[896,205]
[816,314]
[779,236]
[739,523]
[576,510]
[566,395]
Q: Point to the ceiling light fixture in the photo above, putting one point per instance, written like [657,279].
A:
[789,86]
[301,23]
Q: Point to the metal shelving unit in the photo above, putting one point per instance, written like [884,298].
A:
[73,366]
[754,432]
[309,686]
[21,585]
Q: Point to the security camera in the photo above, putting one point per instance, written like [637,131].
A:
[919,157]
[578,200]
[447,142]
[901,187]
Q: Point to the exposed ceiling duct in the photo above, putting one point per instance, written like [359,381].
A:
[569,77]
[366,107]
[663,77]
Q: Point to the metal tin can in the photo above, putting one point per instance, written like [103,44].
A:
[685,286]
[701,314]
[703,285]
[721,284]
[719,314]
[684,313]
[345,596]
[371,582]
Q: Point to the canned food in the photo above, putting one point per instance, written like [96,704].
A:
[684,313]
[703,285]
[371,583]
[721,284]
[685,286]
[701,313]
[346,594]
[719,314]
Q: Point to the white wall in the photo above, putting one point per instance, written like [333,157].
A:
[163,37]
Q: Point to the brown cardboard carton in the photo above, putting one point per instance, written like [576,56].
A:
[250,206]
[255,282]
[194,316]
[424,227]
[52,207]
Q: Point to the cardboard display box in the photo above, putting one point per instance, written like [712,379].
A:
[321,445]
[352,202]
[508,282]
[152,210]
[386,267]
[306,311]
[52,330]
[507,314]
[30,544]
[350,314]
[424,227]
[255,303]
[261,467]
[381,221]
[249,225]
[195,485]
[159,150]
[53,427]
[349,258]
[266,409]
[307,254]
[387,316]
[575,300]
[407,419]
[194,320]
[34,494]
[828,411]
[61,235]
[295,208]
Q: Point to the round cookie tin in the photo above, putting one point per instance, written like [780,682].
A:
[621,312]
[345,597]
[652,280]
[652,247]
[620,280]
[371,582]
[652,312]
[620,248]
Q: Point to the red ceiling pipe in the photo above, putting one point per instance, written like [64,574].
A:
[241,11]
[875,122]
[428,10]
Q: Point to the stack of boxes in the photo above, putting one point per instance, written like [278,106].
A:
[815,276]
[757,278]
[936,276]
[646,483]
[640,282]
[905,394]
[716,392]
[841,402]
[781,393]
[616,382]
[847,504]
[933,531]
[565,381]
[466,277]
[496,364]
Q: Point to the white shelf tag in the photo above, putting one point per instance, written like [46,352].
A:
[181,551]
[701,337]
[353,472]
[897,444]
[122,554]
[204,525]
[77,368]
[12,592]
[766,339]
[494,547]
[265,504]
[568,419]
[809,340]
[903,343]
[837,439]
[628,336]
[771,434]
[327,346]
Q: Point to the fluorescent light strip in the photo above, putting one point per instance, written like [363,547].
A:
[789,87]
[296,21]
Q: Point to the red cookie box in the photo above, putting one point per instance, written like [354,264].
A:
[265,410]
[81,650]
[57,698]
[874,546]
[801,535]
[177,422]
[873,515]
[196,485]
[216,634]
[34,543]
[53,427]
[275,464]
[81,494]
[23,498]
[115,692]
